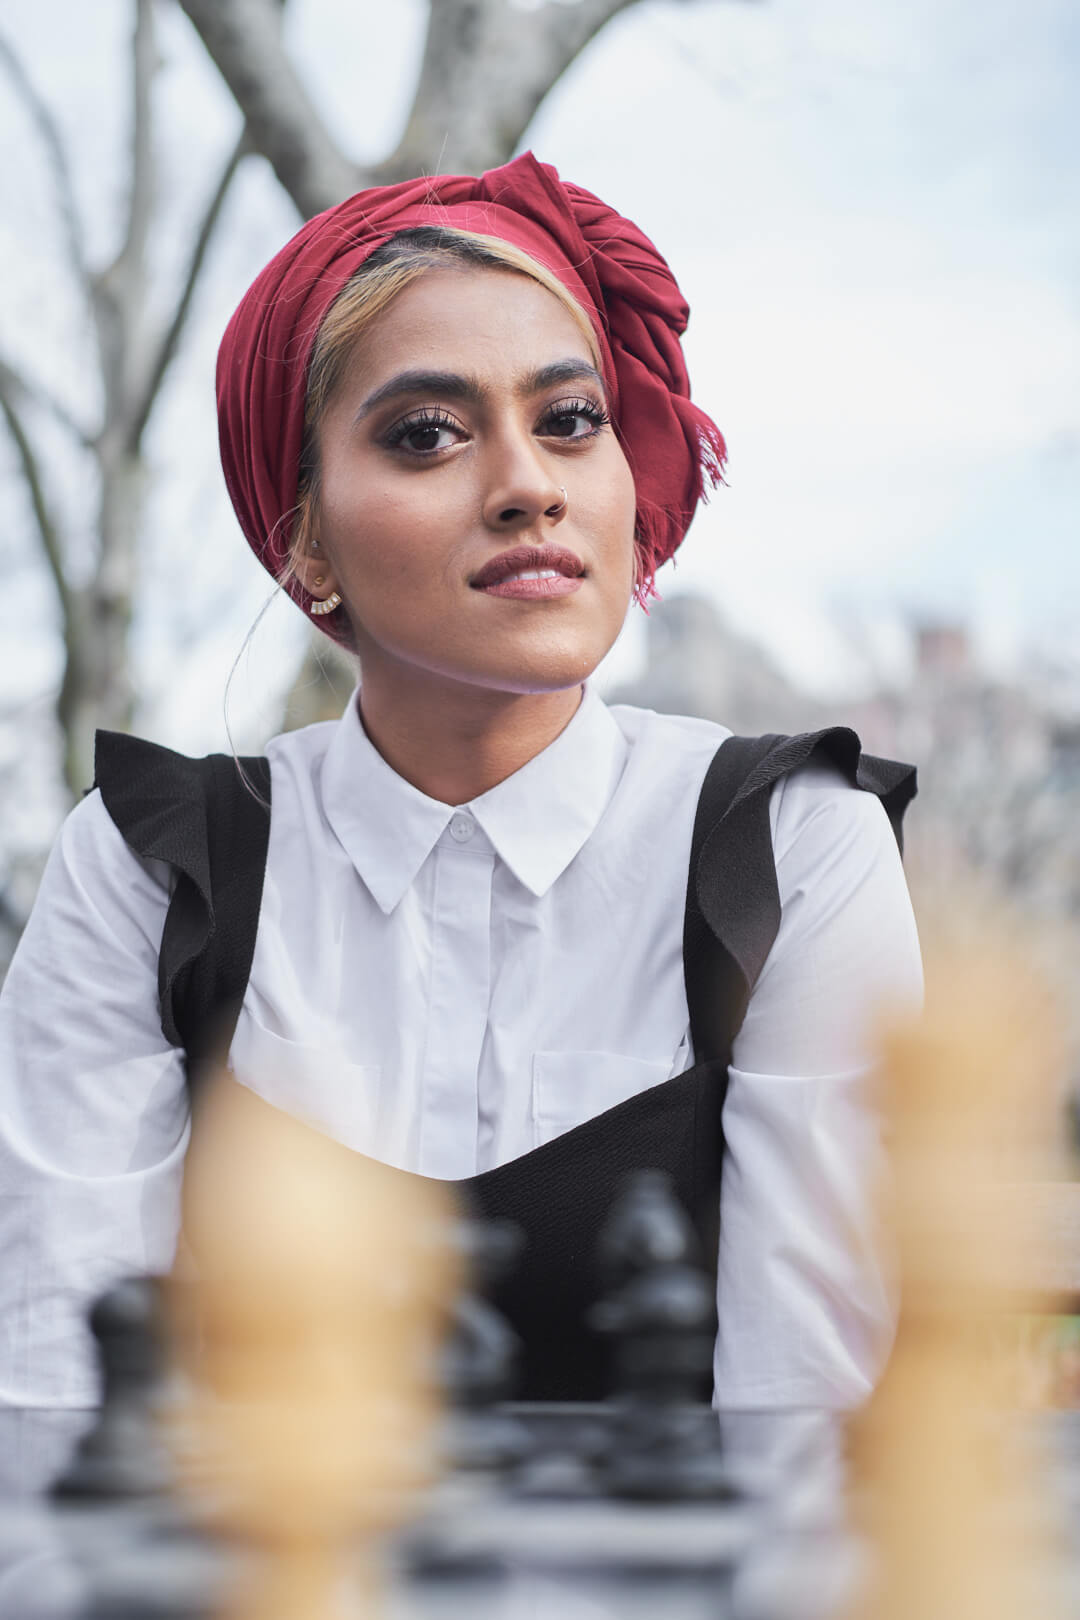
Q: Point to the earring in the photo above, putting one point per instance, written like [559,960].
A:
[327,606]
[560,506]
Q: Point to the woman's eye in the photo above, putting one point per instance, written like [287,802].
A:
[428,438]
[425,435]
[573,419]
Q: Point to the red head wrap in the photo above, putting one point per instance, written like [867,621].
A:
[603,260]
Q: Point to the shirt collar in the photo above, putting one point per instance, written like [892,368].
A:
[537,820]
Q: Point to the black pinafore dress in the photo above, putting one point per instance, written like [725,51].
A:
[200,817]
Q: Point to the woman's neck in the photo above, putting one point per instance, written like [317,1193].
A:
[459,741]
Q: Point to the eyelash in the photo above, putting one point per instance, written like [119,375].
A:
[429,417]
[434,417]
[588,408]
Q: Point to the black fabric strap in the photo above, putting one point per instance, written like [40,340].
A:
[732,899]
[210,820]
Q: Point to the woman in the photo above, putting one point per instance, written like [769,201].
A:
[455,423]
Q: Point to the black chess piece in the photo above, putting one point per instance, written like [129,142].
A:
[480,1355]
[122,1455]
[139,1554]
[658,1309]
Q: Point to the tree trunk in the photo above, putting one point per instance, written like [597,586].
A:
[243,37]
[97,688]
[134,354]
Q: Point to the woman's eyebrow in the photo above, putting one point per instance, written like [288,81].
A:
[560,371]
[452,385]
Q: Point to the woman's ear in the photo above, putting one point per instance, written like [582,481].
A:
[314,572]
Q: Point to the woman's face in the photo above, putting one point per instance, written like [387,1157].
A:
[469,408]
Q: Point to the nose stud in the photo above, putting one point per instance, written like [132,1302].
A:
[560,506]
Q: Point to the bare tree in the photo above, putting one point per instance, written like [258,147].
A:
[134,346]
[485,68]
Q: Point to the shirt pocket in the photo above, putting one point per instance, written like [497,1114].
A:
[569,1088]
[322,1088]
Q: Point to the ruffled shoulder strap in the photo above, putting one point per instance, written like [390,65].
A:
[732,898]
[210,820]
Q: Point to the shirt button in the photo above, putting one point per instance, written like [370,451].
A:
[462,827]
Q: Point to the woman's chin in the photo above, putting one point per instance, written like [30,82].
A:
[529,680]
[539,673]
[517,668]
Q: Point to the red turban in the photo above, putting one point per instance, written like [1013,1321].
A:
[603,260]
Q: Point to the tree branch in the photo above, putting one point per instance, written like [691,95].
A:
[49,131]
[20,390]
[119,291]
[50,538]
[171,339]
[243,38]
[144,62]
[474,117]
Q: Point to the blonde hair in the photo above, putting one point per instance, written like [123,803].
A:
[400,261]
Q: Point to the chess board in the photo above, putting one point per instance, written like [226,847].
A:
[545,1539]
[594,1504]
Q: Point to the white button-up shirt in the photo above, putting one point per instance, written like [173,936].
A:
[446,988]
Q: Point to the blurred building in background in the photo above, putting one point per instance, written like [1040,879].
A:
[999,761]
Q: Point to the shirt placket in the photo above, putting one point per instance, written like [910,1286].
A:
[460,992]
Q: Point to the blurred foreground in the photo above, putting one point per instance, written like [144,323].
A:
[297,1462]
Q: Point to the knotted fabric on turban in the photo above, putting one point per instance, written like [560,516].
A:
[603,260]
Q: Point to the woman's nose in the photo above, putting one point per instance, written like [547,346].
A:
[522,493]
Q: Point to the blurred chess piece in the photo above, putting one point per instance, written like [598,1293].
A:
[658,1309]
[481,1353]
[323,1288]
[122,1456]
[941,1488]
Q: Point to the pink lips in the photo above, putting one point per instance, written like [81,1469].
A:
[531,573]
[533,589]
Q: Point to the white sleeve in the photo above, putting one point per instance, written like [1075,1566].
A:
[93,1109]
[805,1292]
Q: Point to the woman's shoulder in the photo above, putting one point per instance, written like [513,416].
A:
[812,780]
[304,748]
[145,785]
[671,749]
[822,763]
[94,876]
[89,840]
[680,733]
[817,807]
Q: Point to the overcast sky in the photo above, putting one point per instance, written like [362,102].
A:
[872,206]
